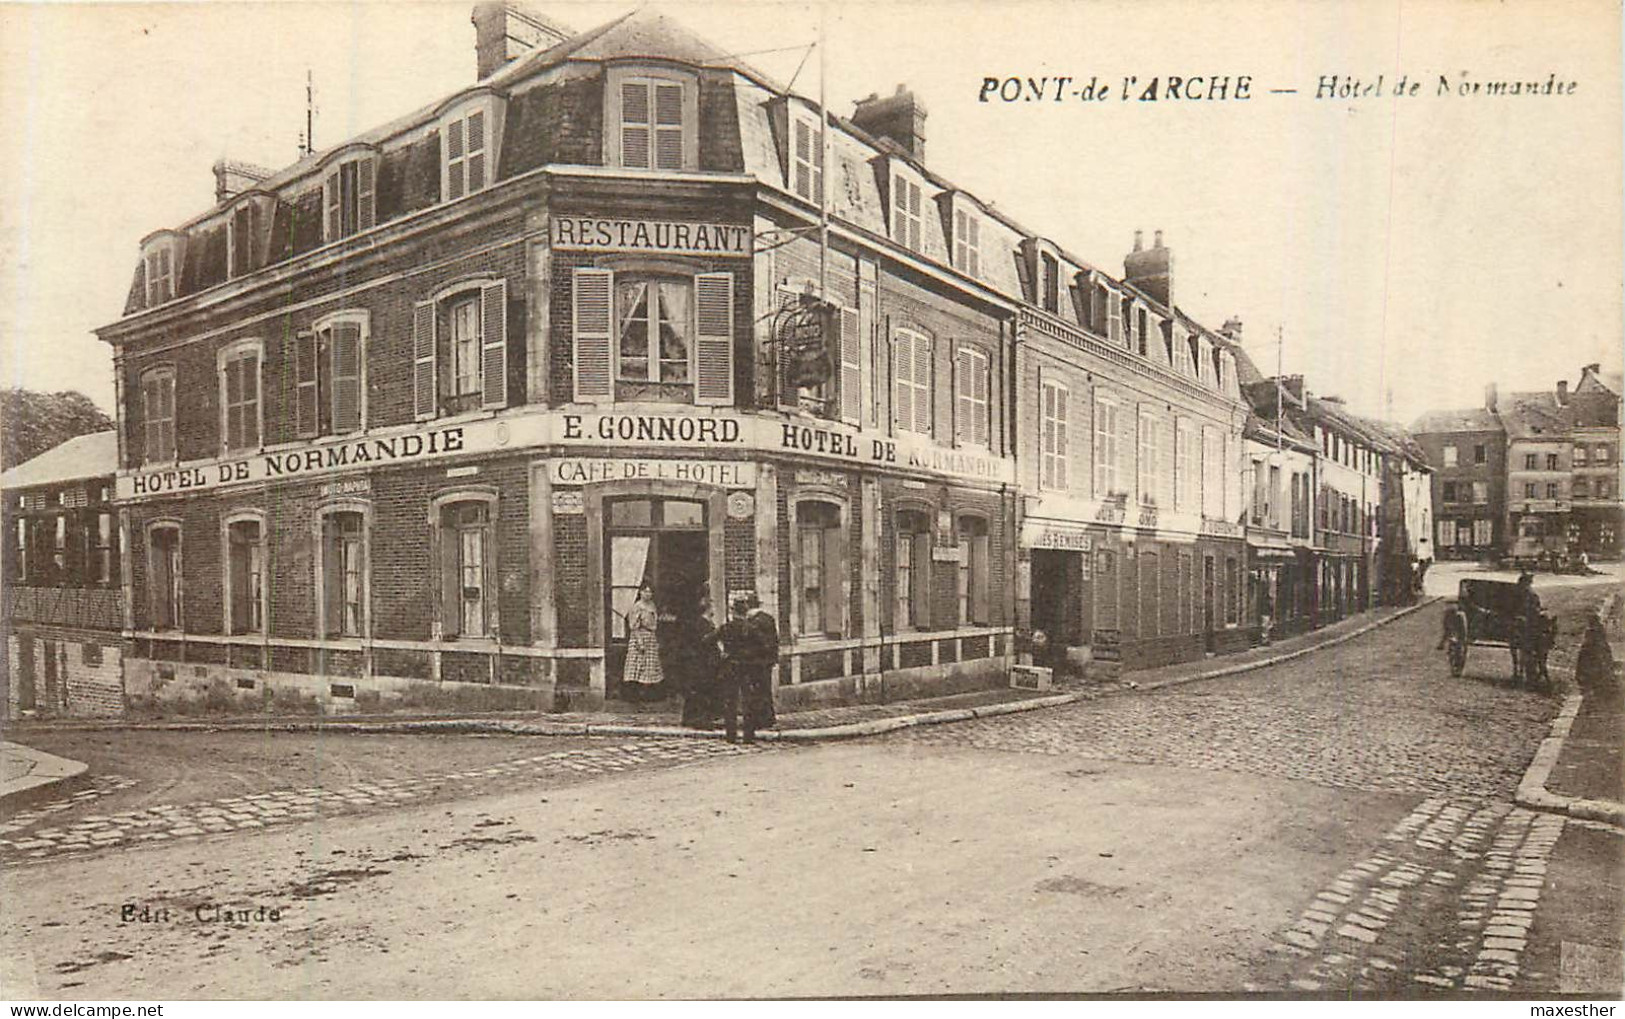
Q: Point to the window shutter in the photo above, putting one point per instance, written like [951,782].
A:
[454,160]
[1061,455]
[251,400]
[451,580]
[635,124]
[903,373]
[345,347]
[914,217]
[963,415]
[669,127]
[1114,317]
[476,151]
[851,367]
[899,199]
[801,162]
[494,343]
[334,204]
[423,360]
[834,575]
[984,406]
[366,206]
[974,267]
[592,328]
[714,304]
[979,579]
[923,409]
[332,578]
[239,242]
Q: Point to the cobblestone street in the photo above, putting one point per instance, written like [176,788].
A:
[30,835]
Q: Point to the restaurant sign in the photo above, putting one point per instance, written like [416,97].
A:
[592,233]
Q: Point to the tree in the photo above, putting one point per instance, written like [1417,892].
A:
[31,423]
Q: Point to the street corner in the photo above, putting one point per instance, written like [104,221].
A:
[27,774]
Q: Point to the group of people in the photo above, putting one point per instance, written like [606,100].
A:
[723,673]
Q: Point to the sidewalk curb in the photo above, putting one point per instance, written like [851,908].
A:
[49,775]
[1240,667]
[1532,791]
[849,730]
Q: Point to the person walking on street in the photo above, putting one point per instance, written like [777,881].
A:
[760,692]
[739,650]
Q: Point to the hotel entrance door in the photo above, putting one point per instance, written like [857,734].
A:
[662,544]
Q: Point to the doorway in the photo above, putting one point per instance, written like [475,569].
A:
[661,543]
[1054,599]
[27,699]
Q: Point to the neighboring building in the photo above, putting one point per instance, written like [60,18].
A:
[1467,451]
[62,571]
[1538,473]
[1129,457]
[1597,519]
[1282,457]
[455,388]
[1349,477]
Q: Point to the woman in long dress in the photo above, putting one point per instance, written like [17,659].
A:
[643,674]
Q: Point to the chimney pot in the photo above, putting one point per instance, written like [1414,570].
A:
[1156,241]
[1151,271]
[1491,397]
[1139,240]
[232,178]
[1562,392]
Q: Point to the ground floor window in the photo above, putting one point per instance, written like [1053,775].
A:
[245,577]
[820,593]
[164,575]
[973,571]
[466,605]
[1483,532]
[343,579]
[913,574]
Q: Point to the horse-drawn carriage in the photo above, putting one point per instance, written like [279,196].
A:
[1496,613]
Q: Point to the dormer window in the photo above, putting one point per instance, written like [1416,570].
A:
[967,242]
[1051,282]
[905,200]
[243,231]
[807,160]
[348,196]
[465,154]
[656,116]
[160,264]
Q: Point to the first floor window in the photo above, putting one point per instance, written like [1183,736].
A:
[1147,459]
[1450,456]
[240,398]
[464,383]
[656,323]
[1185,484]
[465,549]
[164,576]
[1551,490]
[1108,476]
[344,549]
[158,413]
[971,396]
[818,542]
[1054,457]
[913,574]
[459,352]
[22,551]
[246,577]
[1447,492]
[1529,490]
[912,358]
[1481,492]
[973,571]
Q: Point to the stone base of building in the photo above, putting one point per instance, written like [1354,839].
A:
[56,672]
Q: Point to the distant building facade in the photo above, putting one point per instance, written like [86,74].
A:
[1467,450]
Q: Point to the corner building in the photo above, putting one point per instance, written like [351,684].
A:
[410,420]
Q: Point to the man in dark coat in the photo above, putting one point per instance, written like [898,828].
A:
[701,668]
[739,651]
[760,692]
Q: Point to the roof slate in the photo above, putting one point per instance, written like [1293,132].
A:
[83,456]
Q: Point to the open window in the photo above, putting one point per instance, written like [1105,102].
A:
[349,194]
[644,332]
[330,370]
[460,349]
[912,577]
[973,571]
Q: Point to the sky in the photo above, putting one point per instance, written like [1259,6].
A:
[1407,250]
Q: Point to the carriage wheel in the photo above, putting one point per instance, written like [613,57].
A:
[1456,649]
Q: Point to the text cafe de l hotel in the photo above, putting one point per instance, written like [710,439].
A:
[431,405]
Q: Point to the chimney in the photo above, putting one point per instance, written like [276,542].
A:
[504,31]
[232,178]
[1151,270]
[1293,384]
[1562,392]
[1231,330]
[1491,398]
[899,117]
